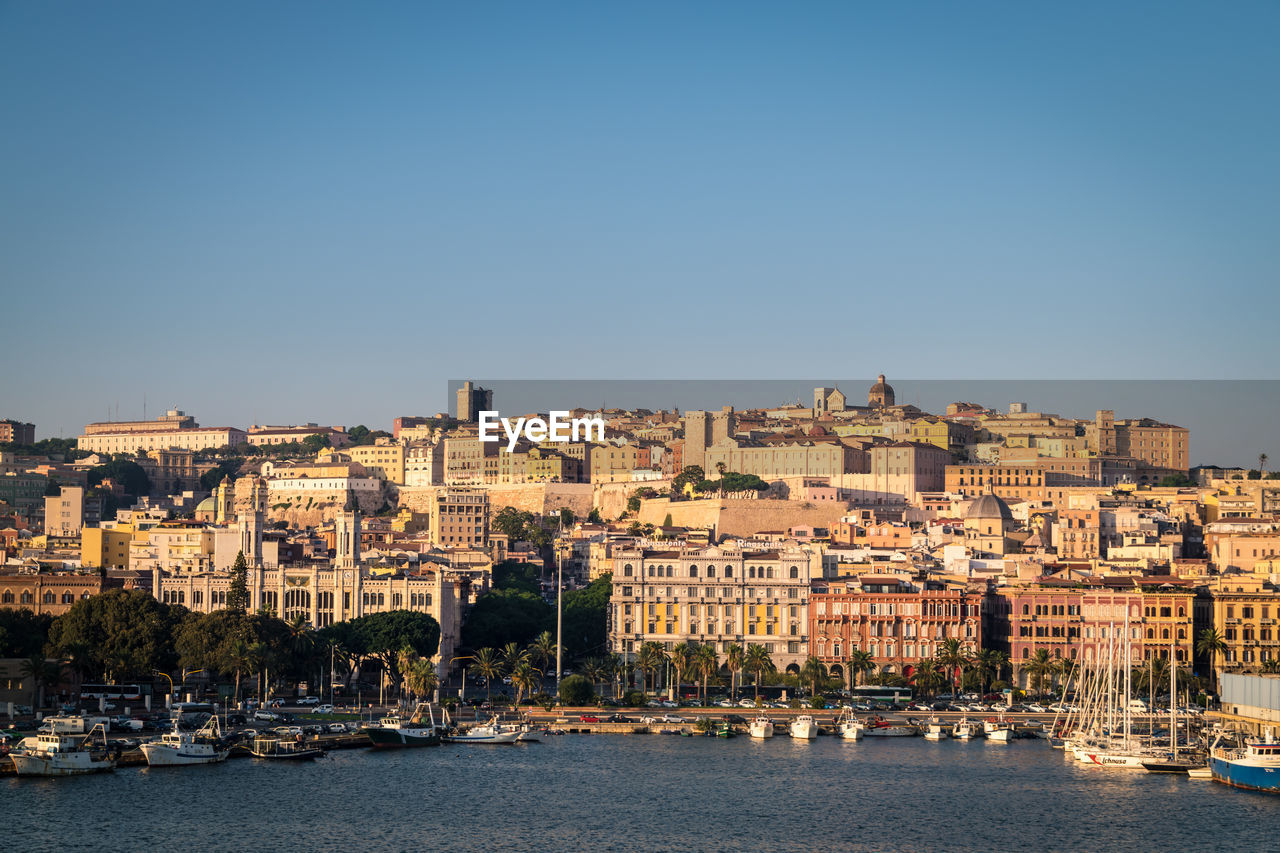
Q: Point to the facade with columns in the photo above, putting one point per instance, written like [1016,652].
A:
[323,595]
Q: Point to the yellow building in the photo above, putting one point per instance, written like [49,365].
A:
[384,461]
[106,546]
[1245,613]
[611,463]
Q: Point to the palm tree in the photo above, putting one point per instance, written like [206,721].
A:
[1000,659]
[422,678]
[649,659]
[489,665]
[525,677]
[986,663]
[681,658]
[758,661]
[620,670]
[860,663]
[43,673]
[238,658]
[513,656]
[926,677]
[1039,666]
[1262,466]
[1271,665]
[543,649]
[1211,643]
[734,658]
[707,663]
[953,659]
[594,669]
[813,672]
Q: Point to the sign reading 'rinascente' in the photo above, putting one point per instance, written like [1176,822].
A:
[558,427]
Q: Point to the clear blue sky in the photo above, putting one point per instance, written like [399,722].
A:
[280,212]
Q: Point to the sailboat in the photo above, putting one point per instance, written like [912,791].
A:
[1172,763]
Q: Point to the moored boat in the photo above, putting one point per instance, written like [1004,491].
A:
[760,727]
[935,730]
[879,727]
[62,754]
[851,728]
[178,748]
[1255,766]
[964,729]
[395,732]
[488,733]
[279,749]
[804,727]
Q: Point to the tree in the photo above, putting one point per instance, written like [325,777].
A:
[43,673]
[576,690]
[925,676]
[681,658]
[238,594]
[814,673]
[687,477]
[315,443]
[1262,466]
[525,678]
[585,617]
[734,659]
[1210,643]
[489,665]
[131,476]
[385,635]
[1039,667]
[543,649]
[986,663]
[758,662]
[706,663]
[953,659]
[422,678]
[860,662]
[23,633]
[650,658]
[594,517]
[503,616]
[129,632]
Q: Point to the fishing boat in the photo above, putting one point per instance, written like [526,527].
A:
[178,748]
[934,729]
[725,730]
[63,754]
[966,730]
[491,732]
[880,727]
[760,727]
[804,727]
[393,731]
[850,727]
[1255,765]
[280,749]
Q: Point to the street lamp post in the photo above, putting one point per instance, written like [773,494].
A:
[168,699]
[559,606]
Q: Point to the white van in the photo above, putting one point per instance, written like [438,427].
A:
[1137,706]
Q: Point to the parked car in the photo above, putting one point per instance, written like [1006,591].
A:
[337,729]
[309,700]
[725,703]
[746,703]
[236,719]
[618,718]
[672,718]
[588,718]
[1037,708]
[322,709]
[264,716]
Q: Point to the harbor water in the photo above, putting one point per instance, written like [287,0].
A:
[645,792]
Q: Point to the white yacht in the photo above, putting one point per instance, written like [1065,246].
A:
[851,728]
[760,727]
[178,748]
[804,727]
[490,733]
[966,730]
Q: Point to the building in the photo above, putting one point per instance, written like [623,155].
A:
[820,456]
[881,395]
[459,518]
[895,622]
[987,525]
[173,430]
[106,546]
[64,512]
[704,429]
[471,401]
[712,596]
[1246,614]
[48,592]
[266,436]
[17,432]
[383,459]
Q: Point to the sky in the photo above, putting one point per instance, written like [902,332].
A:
[320,211]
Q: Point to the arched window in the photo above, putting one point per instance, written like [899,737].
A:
[1181,612]
[49,597]
[711,571]
[626,570]
[6,597]
[651,571]
[27,597]
[693,571]
[795,572]
[728,571]
[68,598]
[1026,610]
[1151,633]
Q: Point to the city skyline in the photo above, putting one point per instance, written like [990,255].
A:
[1000,192]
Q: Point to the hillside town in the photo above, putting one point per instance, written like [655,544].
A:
[863,533]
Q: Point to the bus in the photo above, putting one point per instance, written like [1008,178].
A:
[878,693]
[132,692]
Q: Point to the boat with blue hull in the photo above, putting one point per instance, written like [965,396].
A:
[1255,766]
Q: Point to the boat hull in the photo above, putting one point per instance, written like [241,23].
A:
[891,731]
[400,739]
[167,756]
[760,731]
[1240,774]
[35,765]
[804,731]
[500,738]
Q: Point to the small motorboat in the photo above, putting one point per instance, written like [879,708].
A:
[935,730]
[280,749]
[804,727]
[760,727]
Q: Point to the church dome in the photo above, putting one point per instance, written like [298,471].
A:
[881,394]
[989,506]
[207,505]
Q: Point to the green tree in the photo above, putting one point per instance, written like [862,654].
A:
[489,664]
[23,633]
[512,656]
[594,517]
[650,659]
[1210,644]
[1039,667]
[758,663]
[526,678]
[681,659]
[238,593]
[707,664]
[422,678]
[814,673]
[953,659]
[502,616]
[735,658]
[543,650]
[688,476]
[130,475]
[860,663]
[42,673]
[585,617]
[129,632]
[385,635]
[576,690]
[313,444]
